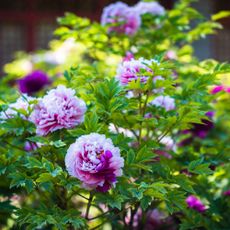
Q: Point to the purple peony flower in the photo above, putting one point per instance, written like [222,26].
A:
[121,18]
[165,102]
[227,193]
[149,7]
[131,70]
[156,219]
[31,146]
[33,82]
[202,130]
[59,109]
[198,130]
[194,203]
[21,106]
[95,161]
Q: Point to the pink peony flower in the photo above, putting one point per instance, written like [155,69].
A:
[95,161]
[217,89]
[149,7]
[59,109]
[128,56]
[22,103]
[196,204]
[165,102]
[227,89]
[171,55]
[121,18]
[130,70]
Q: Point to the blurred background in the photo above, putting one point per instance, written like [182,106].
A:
[28,25]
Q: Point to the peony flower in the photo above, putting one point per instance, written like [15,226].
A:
[22,103]
[149,7]
[59,109]
[128,56]
[171,55]
[95,161]
[125,132]
[227,193]
[130,70]
[31,146]
[33,82]
[199,130]
[121,18]
[217,89]
[227,90]
[196,204]
[165,102]
[156,219]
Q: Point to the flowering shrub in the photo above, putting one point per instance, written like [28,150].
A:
[129,130]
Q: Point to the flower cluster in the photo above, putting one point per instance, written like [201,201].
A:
[59,109]
[124,19]
[196,204]
[95,161]
[227,193]
[131,70]
[33,82]
[220,88]
[22,103]
[121,19]
[199,130]
[165,102]
[149,7]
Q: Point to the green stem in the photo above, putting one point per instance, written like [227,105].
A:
[88,206]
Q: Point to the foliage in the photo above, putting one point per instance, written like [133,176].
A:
[155,175]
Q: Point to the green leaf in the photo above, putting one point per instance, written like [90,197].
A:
[58,144]
[144,154]
[145,202]
[199,168]
[33,163]
[44,177]
[220,15]
[130,156]
[184,183]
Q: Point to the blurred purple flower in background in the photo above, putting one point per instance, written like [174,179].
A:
[31,146]
[153,8]
[198,130]
[33,82]
[129,71]
[219,88]
[196,204]
[165,102]
[121,18]
[227,193]
[202,130]
[128,56]
[156,219]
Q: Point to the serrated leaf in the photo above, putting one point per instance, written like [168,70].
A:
[144,154]
[44,177]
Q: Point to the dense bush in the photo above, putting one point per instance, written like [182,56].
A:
[118,125]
